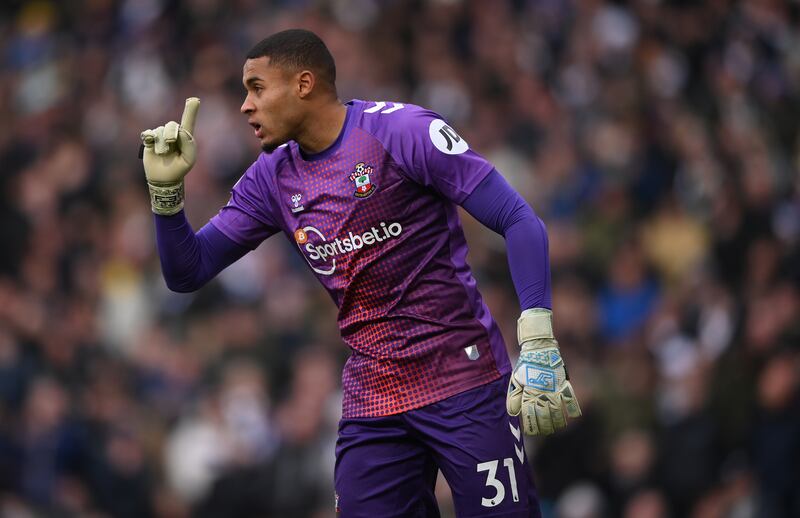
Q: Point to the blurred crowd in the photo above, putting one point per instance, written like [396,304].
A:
[657,139]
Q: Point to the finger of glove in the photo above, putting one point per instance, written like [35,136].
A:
[557,415]
[190,114]
[148,138]
[187,146]
[160,147]
[514,397]
[529,424]
[542,408]
[171,132]
[570,400]
[528,417]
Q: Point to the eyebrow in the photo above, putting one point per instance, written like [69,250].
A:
[251,80]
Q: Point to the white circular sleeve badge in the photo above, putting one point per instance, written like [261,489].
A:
[446,139]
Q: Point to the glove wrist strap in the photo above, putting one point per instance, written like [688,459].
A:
[166,199]
[535,324]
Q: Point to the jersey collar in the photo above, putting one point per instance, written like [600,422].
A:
[325,153]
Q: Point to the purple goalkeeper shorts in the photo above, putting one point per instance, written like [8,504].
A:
[387,466]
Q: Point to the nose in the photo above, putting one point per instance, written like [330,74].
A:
[247,106]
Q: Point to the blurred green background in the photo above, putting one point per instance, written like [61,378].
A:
[658,140]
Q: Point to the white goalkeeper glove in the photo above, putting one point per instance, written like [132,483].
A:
[168,153]
[539,388]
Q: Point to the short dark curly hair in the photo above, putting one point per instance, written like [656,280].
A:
[298,49]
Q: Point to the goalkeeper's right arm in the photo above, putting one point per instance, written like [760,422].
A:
[188,260]
[169,153]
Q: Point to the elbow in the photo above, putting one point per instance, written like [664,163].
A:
[179,288]
[523,216]
[541,225]
[182,285]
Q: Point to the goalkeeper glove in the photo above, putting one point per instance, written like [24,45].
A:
[169,152]
[539,386]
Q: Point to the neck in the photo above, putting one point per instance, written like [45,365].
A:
[321,129]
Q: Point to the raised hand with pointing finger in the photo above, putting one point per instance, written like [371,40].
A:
[169,153]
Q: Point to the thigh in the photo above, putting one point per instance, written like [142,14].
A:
[480,450]
[383,471]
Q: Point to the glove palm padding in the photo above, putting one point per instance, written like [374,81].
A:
[539,389]
[169,153]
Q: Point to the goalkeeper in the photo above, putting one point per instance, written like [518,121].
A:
[368,193]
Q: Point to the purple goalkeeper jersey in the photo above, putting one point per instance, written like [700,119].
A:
[374,216]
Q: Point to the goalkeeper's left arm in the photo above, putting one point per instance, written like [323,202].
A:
[539,388]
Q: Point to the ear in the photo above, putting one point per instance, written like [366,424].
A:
[305,83]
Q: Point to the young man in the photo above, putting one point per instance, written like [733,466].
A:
[367,191]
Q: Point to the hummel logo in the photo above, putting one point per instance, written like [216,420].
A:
[296,201]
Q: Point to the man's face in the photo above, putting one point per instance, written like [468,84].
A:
[271,104]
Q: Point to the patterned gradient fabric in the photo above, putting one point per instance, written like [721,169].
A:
[389,250]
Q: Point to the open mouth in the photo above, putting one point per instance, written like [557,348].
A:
[257,129]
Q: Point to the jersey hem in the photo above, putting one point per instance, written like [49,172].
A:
[470,384]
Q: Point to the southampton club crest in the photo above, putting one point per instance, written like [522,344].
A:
[361,177]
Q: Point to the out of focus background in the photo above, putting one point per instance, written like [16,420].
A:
[658,140]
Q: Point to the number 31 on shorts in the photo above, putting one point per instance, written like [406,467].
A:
[496,484]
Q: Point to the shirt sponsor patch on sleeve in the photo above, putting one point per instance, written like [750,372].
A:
[446,139]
